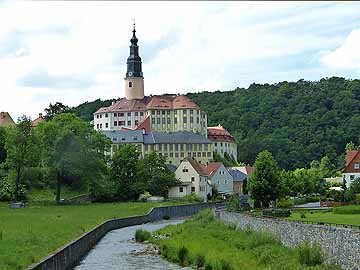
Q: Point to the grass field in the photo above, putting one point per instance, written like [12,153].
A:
[29,234]
[220,247]
[341,215]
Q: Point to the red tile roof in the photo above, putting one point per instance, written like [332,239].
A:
[196,165]
[145,125]
[5,119]
[161,102]
[211,168]
[219,134]
[352,157]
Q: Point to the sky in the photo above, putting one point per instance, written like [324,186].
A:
[72,52]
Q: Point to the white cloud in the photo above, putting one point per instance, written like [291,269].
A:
[88,42]
[347,56]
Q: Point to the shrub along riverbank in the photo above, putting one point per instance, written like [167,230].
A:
[207,243]
[31,233]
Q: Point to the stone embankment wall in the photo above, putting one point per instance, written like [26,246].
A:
[341,245]
[68,256]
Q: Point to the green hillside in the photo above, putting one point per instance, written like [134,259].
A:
[297,121]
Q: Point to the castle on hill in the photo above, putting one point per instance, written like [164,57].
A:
[172,125]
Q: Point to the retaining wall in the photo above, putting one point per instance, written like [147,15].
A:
[68,256]
[341,245]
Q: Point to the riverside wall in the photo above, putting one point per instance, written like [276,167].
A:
[341,245]
[69,255]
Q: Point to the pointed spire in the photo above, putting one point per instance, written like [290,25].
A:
[134,68]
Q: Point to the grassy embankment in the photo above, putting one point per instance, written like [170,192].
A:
[29,234]
[219,247]
[341,215]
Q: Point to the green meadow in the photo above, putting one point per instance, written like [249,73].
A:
[211,245]
[31,233]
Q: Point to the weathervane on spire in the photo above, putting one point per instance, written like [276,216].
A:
[133,19]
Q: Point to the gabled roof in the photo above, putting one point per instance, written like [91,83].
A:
[351,156]
[160,102]
[144,125]
[219,134]
[248,170]
[211,168]
[171,167]
[38,120]
[196,165]
[5,119]
[237,174]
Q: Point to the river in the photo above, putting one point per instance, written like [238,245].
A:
[117,250]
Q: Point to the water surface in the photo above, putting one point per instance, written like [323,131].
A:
[117,250]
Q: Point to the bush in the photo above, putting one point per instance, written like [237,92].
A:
[143,197]
[310,254]
[357,197]
[5,190]
[199,261]
[349,209]
[183,254]
[142,235]
[285,203]
[191,198]
[349,195]
[224,265]
[208,266]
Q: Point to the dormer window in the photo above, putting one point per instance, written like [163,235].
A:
[130,84]
[356,166]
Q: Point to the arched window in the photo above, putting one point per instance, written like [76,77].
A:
[130,84]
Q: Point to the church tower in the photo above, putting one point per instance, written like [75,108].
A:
[134,80]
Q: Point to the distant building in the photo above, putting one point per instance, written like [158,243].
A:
[223,141]
[219,177]
[239,179]
[170,124]
[6,120]
[352,167]
[38,120]
[173,145]
[193,180]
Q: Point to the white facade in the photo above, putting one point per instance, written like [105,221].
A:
[193,182]
[350,177]
[118,120]
[222,147]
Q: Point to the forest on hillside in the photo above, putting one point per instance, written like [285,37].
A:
[298,122]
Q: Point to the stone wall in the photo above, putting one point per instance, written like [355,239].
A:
[341,245]
[66,257]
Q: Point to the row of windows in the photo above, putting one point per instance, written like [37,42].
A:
[120,114]
[163,112]
[181,189]
[164,120]
[122,123]
[177,147]
[223,144]
[99,126]
[189,154]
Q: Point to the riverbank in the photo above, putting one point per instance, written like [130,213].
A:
[31,233]
[118,250]
[218,246]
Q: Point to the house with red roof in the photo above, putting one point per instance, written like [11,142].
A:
[352,167]
[223,141]
[37,121]
[200,179]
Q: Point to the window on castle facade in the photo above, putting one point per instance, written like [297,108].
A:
[130,84]
[141,113]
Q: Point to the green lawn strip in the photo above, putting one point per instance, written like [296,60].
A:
[218,243]
[325,216]
[29,234]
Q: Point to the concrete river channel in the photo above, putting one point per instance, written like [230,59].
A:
[117,250]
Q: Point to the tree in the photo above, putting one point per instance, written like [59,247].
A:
[350,146]
[2,145]
[71,147]
[156,175]
[21,151]
[124,172]
[55,109]
[326,168]
[264,184]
